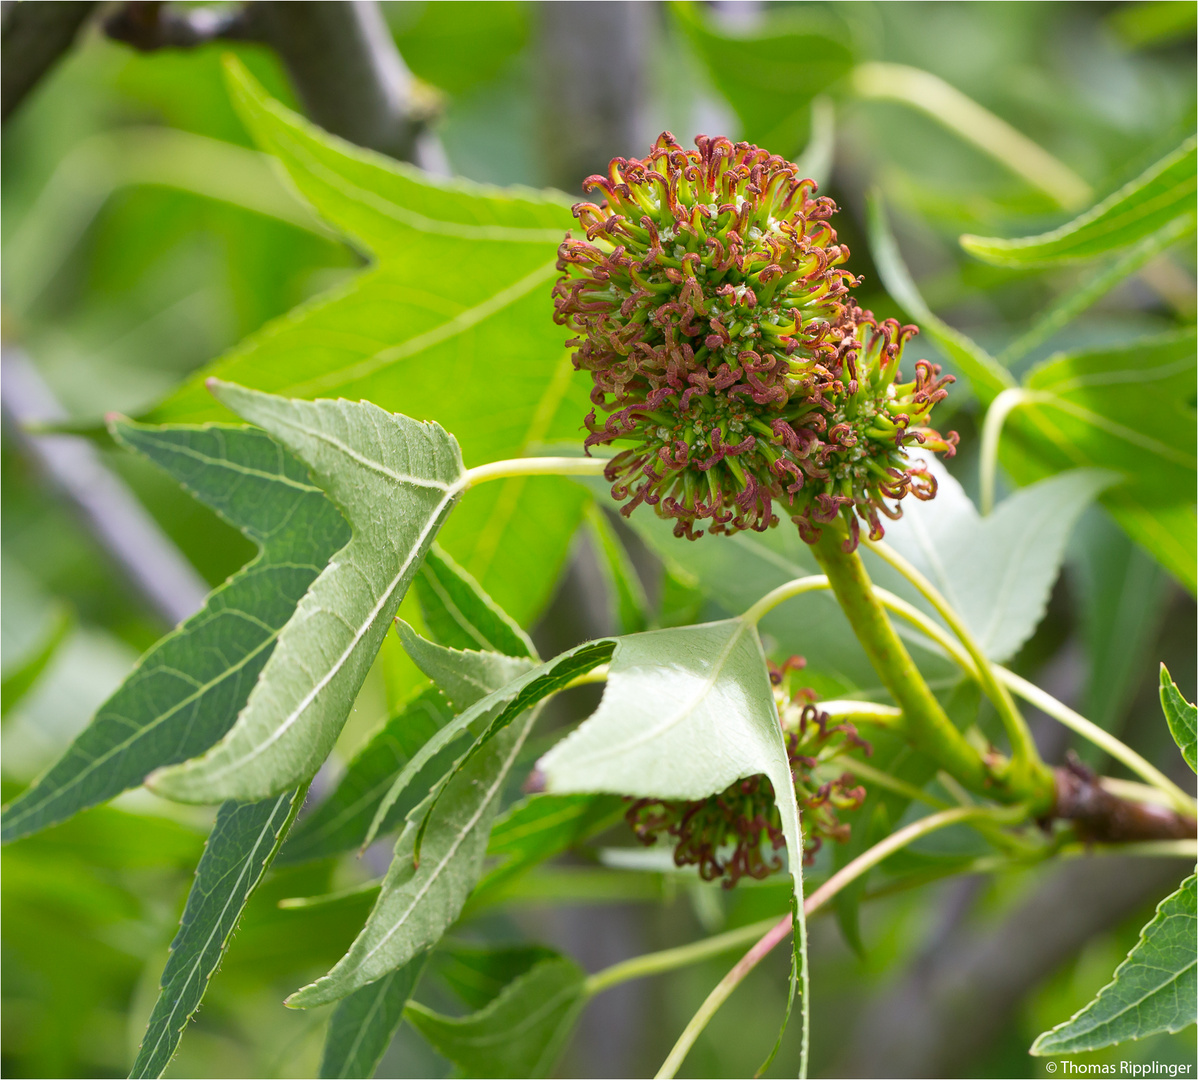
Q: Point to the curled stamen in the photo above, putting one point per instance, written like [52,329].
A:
[708,299]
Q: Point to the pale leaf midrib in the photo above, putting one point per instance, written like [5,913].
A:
[686,709]
[458,840]
[359,633]
[465,320]
[157,721]
[246,867]
[224,464]
[1120,378]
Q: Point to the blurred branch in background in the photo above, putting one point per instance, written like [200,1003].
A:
[593,59]
[960,995]
[340,56]
[144,553]
[148,26]
[350,77]
[32,39]
[352,80]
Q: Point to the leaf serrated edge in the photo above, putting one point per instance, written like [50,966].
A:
[1042,1047]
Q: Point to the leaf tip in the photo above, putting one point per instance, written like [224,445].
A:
[315,993]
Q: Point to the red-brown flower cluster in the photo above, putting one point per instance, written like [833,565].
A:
[734,372]
[738,832]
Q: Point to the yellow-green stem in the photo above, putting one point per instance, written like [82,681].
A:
[925,723]
[1025,776]
[546,466]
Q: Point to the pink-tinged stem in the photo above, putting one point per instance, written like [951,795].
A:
[781,930]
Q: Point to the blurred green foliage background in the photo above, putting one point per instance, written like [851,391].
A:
[142,238]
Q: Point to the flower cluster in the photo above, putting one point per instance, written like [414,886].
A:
[733,371]
[737,832]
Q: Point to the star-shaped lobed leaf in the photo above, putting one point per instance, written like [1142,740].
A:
[452,322]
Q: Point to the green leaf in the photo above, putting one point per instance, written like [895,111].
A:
[365,459]
[456,45]
[478,975]
[631,613]
[363,1025]
[501,706]
[541,826]
[460,614]
[1161,195]
[460,608]
[243,842]
[456,300]
[463,675]
[520,1033]
[986,376]
[686,712]
[1154,22]
[1072,303]
[186,692]
[1154,990]
[1168,533]
[883,808]
[1128,409]
[418,903]
[736,571]
[1182,718]
[1122,593]
[996,571]
[18,682]
[770,75]
[342,821]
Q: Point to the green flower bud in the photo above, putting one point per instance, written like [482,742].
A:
[712,311]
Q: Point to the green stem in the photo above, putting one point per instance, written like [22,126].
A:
[863,712]
[669,959]
[883,779]
[1030,693]
[1026,776]
[1046,703]
[784,592]
[924,721]
[1000,408]
[533,466]
[973,123]
[1074,303]
[595,675]
[780,931]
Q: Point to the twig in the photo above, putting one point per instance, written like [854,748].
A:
[349,74]
[340,56]
[955,1000]
[149,26]
[34,36]
[593,59]
[145,554]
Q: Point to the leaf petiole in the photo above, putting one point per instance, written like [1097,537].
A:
[1024,756]
[533,466]
[1046,703]
[996,416]
[845,876]
[782,593]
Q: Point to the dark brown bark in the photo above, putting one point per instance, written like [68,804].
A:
[1100,817]
[34,36]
